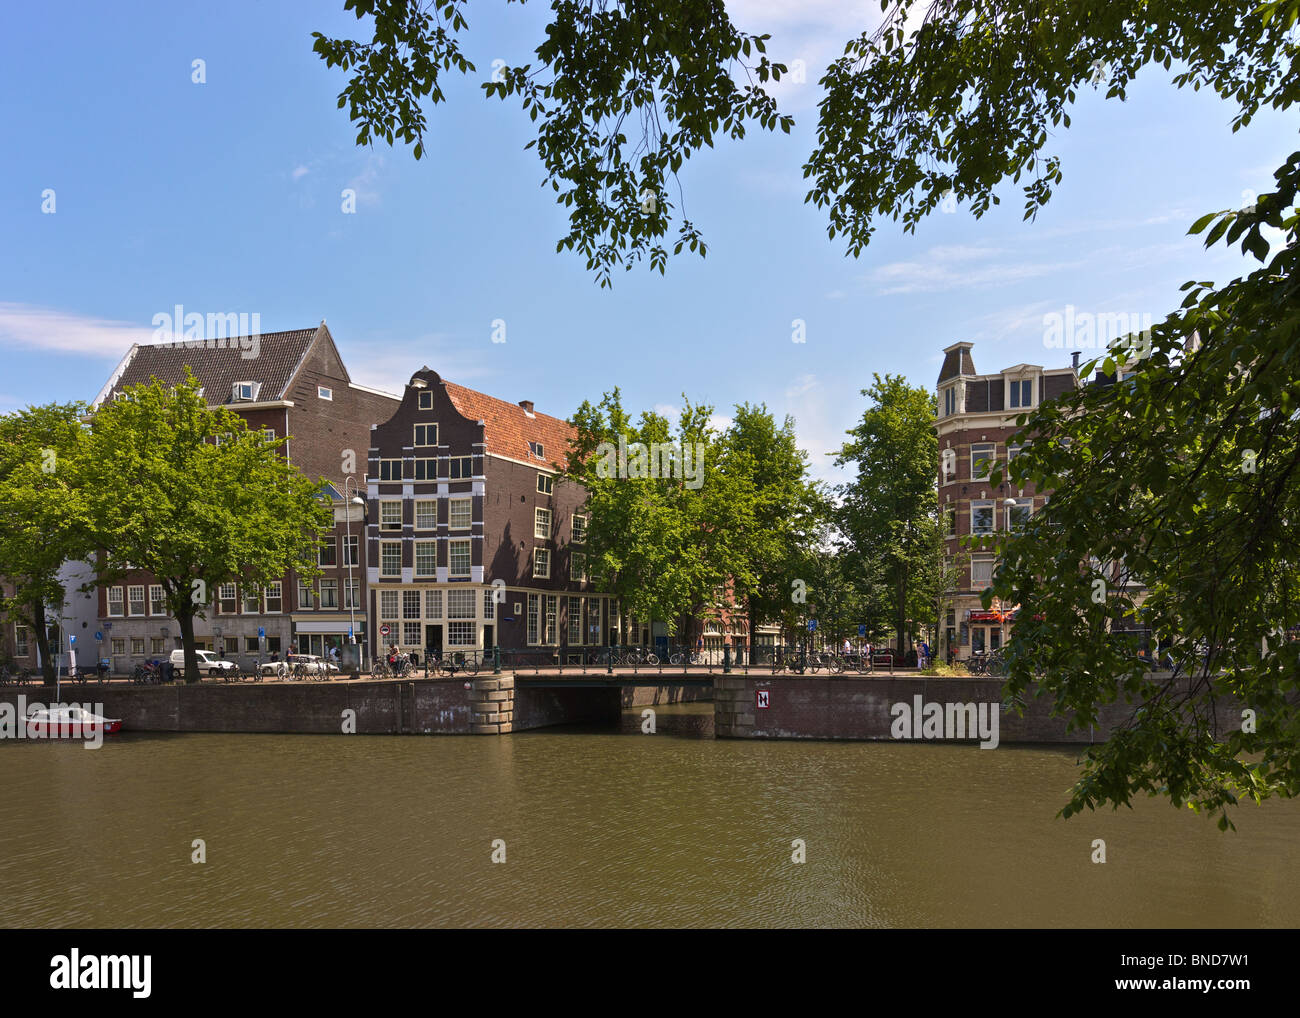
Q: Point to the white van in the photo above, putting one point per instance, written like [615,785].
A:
[208,662]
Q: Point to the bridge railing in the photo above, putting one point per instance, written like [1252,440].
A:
[670,659]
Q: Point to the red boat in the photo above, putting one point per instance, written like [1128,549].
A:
[69,723]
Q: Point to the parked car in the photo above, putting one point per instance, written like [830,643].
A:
[208,662]
[311,664]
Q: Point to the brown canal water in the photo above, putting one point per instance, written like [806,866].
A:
[607,827]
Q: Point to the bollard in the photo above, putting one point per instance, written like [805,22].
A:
[726,660]
[496,660]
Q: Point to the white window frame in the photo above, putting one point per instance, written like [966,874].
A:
[430,550]
[545,484]
[579,531]
[982,504]
[426,400]
[157,599]
[386,525]
[426,512]
[120,601]
[425,469]
[457,468]
[383,566]
[453,549]
[391,467]
[324,392]
[541,556]
[542,523]
[465,503]
[131,601]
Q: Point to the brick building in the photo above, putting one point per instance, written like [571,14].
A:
[471,541]
[975,425]
[296,386]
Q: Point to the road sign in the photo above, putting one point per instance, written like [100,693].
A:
[764,698]
[107,626]
[261,631]
[99,636]
[812,624]
[384,630]
[72,638]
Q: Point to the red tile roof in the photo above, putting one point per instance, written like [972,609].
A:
[509,428]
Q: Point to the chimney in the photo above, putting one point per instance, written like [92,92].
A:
[527,404]
[1075,358]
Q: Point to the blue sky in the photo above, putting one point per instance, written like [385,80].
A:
[225,196]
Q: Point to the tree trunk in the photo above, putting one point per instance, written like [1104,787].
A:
[43,642]
[185,619]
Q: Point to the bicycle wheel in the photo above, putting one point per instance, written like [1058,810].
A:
[675,659]
[652,659]
[997,667]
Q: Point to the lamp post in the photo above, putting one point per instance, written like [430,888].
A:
[352,601]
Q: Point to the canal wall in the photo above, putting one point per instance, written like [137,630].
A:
[485,705]
[861,709]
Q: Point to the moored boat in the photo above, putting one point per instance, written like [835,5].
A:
[69,723]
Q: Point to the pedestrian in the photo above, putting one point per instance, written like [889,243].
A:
[923,659]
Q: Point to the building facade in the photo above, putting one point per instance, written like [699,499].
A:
[472,540]
[295,388]
[976,425]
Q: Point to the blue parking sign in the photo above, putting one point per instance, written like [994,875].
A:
[862,630]
[812,624]
[261,631]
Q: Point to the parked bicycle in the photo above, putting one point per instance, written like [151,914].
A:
[15,676]
[683,657]
[148,674]
[640,656]
[458,661]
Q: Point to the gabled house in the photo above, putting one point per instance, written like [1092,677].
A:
[294,385]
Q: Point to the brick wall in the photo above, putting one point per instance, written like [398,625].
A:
[860,709]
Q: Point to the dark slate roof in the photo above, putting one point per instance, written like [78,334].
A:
[217,368]
[957,361]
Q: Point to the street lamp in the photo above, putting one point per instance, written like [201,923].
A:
[352,600]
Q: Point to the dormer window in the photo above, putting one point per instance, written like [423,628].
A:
[537,449]
[426,400]
[244,392]
[1022,393]
[949,401]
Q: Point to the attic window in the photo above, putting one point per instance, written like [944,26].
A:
[426,400]
[324,392]
[537,449]
[244,391]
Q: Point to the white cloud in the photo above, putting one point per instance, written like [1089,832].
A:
[388,365]
[365,182]
[299,172]
[36,328]
[819,424]
[950,268]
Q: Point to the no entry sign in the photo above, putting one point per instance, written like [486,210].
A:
[764,697]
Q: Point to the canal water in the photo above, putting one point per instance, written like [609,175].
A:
[608,827]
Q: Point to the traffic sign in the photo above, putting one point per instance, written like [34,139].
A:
[72,638]
[261,631]
[862,630]
[99,637]
[764,698]
[384,630]
[812,624]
